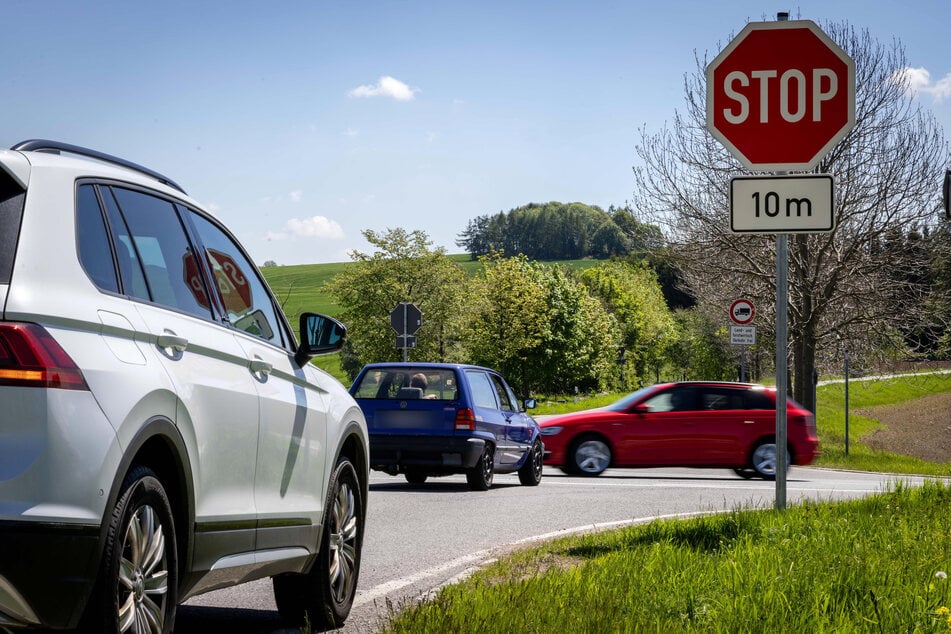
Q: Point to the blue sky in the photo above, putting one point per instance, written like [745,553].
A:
[301,124]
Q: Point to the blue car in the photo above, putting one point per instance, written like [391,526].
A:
[434,419]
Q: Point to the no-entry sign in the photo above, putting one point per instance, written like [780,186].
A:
[781,95]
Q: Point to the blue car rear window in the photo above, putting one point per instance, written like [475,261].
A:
[408,383]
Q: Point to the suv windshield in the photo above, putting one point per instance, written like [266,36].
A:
[408,383]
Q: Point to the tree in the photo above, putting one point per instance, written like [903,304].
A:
[579,347]
[403,268]
[885,172]
[539,327]
[633,295]
[509,316]
[699,352]
[552,231]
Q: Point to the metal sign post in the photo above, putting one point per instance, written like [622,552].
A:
[946,191]
[782,292]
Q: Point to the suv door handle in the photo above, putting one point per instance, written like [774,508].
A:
[168,340]
[260,366]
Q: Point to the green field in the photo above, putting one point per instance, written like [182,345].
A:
[300,288]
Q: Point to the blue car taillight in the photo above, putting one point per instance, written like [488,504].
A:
[465,419]
[30,357]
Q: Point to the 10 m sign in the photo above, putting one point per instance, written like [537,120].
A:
[782,204]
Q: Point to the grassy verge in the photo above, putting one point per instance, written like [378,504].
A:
[877,564]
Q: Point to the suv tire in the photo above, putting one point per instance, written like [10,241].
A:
[323,597]
[138,583]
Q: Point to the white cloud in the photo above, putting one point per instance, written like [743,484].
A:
[386,86]
[318,227]
[350,132]
[918,81]
[296,195]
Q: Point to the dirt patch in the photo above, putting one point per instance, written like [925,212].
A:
[920,428]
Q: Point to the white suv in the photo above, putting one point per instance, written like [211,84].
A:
[162,434]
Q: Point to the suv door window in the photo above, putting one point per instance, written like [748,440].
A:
[95,253]
[156,240]
[246,300]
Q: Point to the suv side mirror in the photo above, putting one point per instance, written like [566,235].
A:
[529,403]
[319,334]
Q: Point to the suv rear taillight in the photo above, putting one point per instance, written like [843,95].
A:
[30,357]
[465,419]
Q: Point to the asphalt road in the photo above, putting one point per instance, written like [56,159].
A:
[421,537]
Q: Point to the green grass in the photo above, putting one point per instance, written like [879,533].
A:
[566,404]
[874,565]
[300,288]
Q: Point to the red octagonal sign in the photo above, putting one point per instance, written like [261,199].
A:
[781,95]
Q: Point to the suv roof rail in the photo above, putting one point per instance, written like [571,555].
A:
[56,147]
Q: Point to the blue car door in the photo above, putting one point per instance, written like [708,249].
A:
[490,419]
[518,429]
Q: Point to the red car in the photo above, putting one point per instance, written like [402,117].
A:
[691,424]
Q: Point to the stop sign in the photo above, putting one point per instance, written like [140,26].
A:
[780,95]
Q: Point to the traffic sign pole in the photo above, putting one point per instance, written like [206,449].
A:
[782,263]
[405,348]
